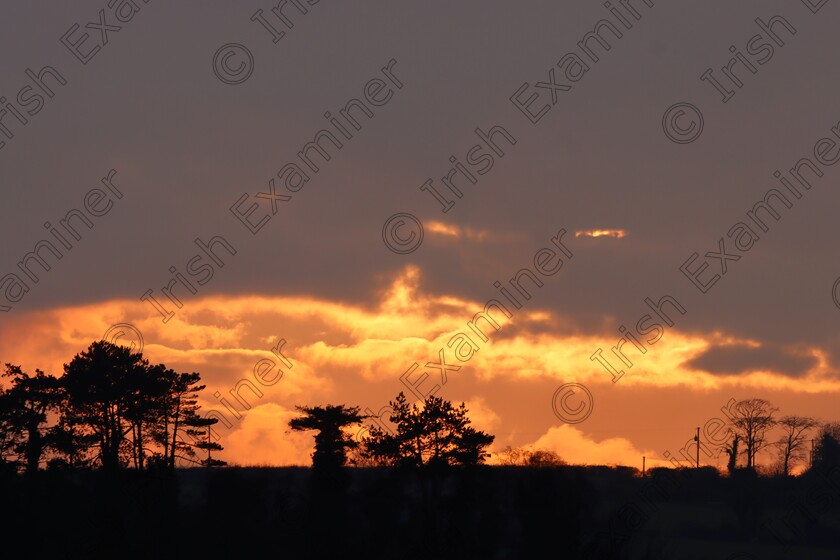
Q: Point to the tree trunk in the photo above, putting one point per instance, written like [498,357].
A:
[140,457]
[33,448]
[174,434]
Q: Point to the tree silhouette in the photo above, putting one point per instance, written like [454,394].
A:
[827,449]
[180,431]
[753,418]
[732,453]
[8,432]
[437,434]
[26,403]
[70,445]
[511,456]
[197,427]
[792,442]
[113,402]
[146,388]
[101,383]
[112,407]
[331,441]
[403,446]
[543,458]
[517,456]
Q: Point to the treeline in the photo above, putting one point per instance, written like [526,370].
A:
[111,408]
[436,434]
[754,427]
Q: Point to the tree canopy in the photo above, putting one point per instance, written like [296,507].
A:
[753,419]
[827,448]
[437,433]
[111,408]
[331,441]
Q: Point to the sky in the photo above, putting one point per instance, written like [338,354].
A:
[610,176]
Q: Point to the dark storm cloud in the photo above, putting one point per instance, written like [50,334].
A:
[733,360]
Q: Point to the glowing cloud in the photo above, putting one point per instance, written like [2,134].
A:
[266,439]
[449,230]
[616,233]
[574,447]
[355,354]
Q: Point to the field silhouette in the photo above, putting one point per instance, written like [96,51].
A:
[436,512]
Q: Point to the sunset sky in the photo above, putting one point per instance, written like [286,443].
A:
[189,152]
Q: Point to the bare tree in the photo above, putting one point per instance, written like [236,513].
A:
[543,458]
[518,456]
[792,443]
[752,419]
[510,456]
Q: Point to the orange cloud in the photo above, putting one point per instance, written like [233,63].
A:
[481,415]
[574,447]
[266,439]
[338,350]
[617,233]
[229,335]
[448,230]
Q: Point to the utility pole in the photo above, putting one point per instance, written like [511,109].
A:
[697,439]
[643,466]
